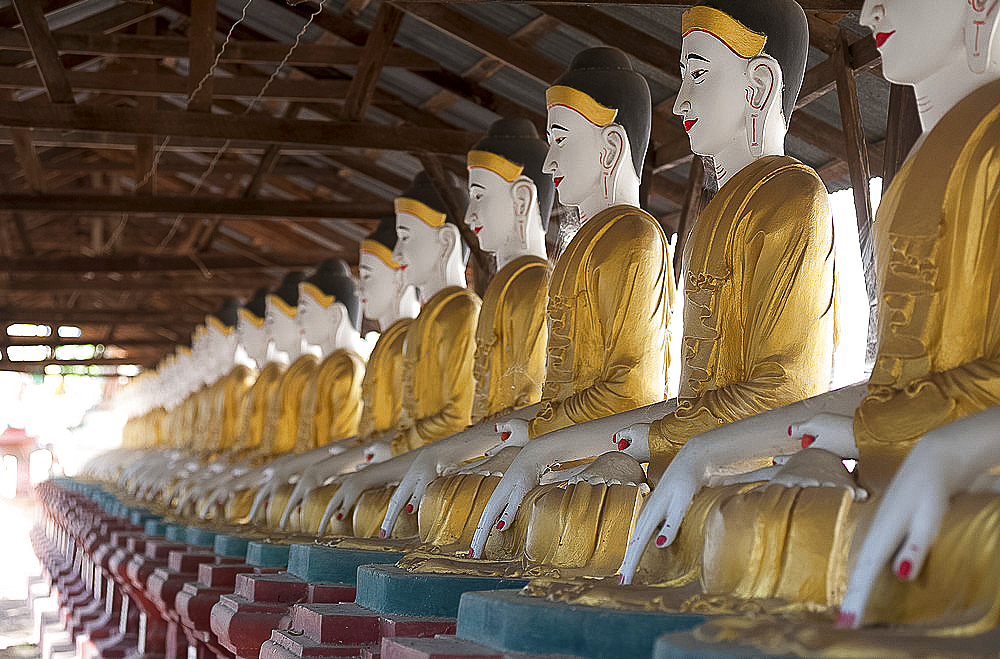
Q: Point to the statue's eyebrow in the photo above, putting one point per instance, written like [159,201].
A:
[698,57]
[560,127]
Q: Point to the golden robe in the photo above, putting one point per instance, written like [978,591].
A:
[382,386]
[938,249]
[229,405]
[282,426]
[608,309]
[758,307]
[381,408]
[511,338]
[437,369]
[509,369]
[338,399]
[262,394]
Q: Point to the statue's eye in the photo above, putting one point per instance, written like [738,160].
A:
[698,74]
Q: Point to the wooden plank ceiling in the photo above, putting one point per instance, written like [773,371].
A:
[146,171]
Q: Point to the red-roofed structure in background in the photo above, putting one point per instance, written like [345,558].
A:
[18,443]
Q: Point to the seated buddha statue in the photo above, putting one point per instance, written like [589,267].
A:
[510,198]
[392,303]
[758,286]
[936,233]
[272,405]
[329,318]
[440,344]
[610,291]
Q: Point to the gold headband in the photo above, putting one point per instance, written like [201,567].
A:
[741,40]
[184,350]
[379,251]
[286,308]
[421,210]
[575,99]
[219,325]
[315,293]
[499,165]
[251,317]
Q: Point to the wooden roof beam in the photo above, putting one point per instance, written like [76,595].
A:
[275,209]
[238,51]
[161,265]
[373,59]
[43,49]
[319,134]
[62,316]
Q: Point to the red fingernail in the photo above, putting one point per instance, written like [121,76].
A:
[904,569]
[340,515]
[382,533]
[661,540]
[845,620]
[621,579]
[409,508]
[789,431]
[623,444]
[807,440]
[504,436]
[774,463]
[472,554]
[500,525]
[496,427]
[369,457]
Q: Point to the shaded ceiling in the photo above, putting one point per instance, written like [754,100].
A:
[157,156]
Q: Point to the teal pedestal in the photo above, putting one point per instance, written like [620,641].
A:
[315,563]
[231,546]
[513,622]
[265,554]
[389,589]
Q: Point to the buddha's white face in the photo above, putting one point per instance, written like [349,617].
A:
[418,249]
[378,287]
[916,38]
[491,212]
[317,322]
[713,94]
[253,338]
[574,156]
[282,329]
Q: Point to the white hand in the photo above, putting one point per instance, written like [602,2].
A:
[412,488]
[512,432]
[269,484]
[665,507]
[310,479]
[522,475]
[378,451]
[634,441]
[349,490]
[832,432]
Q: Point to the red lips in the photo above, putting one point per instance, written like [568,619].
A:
[882,37]
[689,122]
[557,180]
[402,266]
[478,229]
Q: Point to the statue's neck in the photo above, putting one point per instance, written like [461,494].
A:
[732,159]
[622,188]
[407,306]
[343,337]
[449,272]
[943,90]
[533,243]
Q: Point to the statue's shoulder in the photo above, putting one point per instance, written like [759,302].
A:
[628,225]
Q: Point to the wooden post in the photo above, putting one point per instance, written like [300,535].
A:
[694,199]
[857,160]
[902,130]
[482,263]
[201,54]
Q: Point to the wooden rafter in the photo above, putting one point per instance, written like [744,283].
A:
[273,209]
[43,49]
[373,58]
[320,134]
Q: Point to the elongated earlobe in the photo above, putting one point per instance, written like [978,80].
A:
[981,20]
[763,92]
